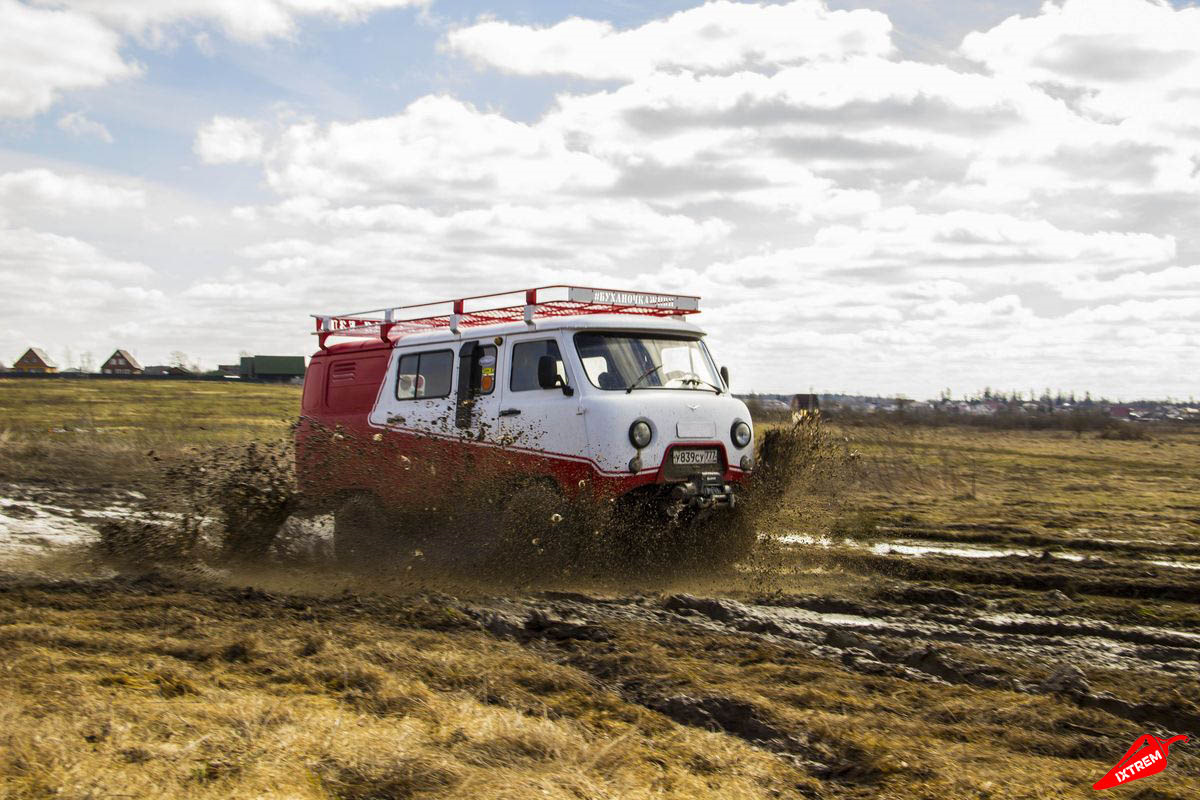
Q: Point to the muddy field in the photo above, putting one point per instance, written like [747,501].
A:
[929,613]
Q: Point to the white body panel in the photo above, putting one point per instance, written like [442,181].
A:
[592,424]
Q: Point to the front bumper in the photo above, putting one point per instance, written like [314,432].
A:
[704,490]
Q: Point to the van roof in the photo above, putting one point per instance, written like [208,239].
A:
[611,322]
[529,307]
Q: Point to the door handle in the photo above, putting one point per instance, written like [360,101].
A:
[509,412]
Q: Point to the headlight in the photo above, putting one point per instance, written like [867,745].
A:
[640,433]
[741,434]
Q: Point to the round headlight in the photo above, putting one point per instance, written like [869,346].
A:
[741,434]
[640,433]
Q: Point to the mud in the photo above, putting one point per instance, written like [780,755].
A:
[988,606]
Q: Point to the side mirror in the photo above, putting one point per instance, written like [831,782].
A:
[725,376]
[547,373]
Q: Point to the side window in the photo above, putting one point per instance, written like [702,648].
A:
[525,357]
[424,376]
[483,377]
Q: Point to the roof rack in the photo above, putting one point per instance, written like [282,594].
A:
[389,324]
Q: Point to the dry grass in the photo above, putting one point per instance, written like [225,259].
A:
[142,688]
[147,690]
[1048,485]
[199,695]
[103,431]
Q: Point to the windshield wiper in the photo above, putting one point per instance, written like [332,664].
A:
[642,377]
[698,380]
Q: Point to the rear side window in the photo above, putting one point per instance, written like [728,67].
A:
[525,356]
[425,375]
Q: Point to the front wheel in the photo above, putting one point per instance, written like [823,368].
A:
[656,536]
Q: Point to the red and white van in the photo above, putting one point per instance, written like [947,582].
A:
[598,394]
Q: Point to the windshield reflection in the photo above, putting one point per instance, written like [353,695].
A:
[621,361]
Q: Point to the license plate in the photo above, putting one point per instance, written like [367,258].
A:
[691,458]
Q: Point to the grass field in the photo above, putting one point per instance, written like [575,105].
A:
[823,670]
[99,430]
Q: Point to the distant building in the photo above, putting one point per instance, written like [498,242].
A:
[272,368]
[228,370]
[35,360]
[121,363]
[806,402]
[163,369]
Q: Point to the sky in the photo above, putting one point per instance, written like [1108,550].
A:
[880,197]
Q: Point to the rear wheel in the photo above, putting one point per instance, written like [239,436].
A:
[362,536]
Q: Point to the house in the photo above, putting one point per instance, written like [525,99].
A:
[272,368]
[163,369]
[121,363]
[35,360]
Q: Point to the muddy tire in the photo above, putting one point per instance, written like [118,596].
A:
[361,532]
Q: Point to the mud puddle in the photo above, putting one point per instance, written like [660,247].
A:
[29,526]
[933,644]
[919,547]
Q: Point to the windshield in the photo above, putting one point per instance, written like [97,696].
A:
[614,361]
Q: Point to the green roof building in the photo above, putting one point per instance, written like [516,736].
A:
[272,368]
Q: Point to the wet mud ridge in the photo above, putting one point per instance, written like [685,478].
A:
[914,641]
[828,687]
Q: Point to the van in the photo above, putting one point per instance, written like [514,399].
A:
[583,394]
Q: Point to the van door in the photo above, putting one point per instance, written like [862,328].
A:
[476,396]
[544,425]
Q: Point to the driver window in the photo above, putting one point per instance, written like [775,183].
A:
[525,356]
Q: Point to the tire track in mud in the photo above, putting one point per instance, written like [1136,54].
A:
[879,640]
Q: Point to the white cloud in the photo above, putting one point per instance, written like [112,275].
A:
[853,220]
[28,256]
[53,46]
[244,20]
[90,293]
[77,124]
[47,190]
[718,36]
[436,145]
[895,221]
[226,140]
[44,52]
[1131,57]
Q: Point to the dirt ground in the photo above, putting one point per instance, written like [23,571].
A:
[929,614]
